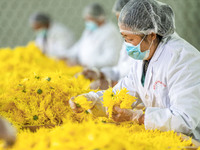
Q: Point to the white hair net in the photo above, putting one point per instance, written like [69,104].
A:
[119,4]
[40,18]
[146,17]
[95,11]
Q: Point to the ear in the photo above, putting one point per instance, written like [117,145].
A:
[117,15]
[99,22]
[152,36]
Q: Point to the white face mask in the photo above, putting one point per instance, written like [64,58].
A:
[41,32]
[135,51]
[91,26]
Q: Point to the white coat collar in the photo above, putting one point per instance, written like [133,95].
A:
[160,49]
[157,54]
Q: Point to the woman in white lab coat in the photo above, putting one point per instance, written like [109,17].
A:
[54,39]
[100,43]
[124,64]
[108,76]
[167,80]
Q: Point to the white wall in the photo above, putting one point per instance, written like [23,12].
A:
[14,14]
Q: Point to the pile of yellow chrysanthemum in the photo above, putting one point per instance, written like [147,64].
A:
[20,62]
[40,99]
[34,90]
[99,136]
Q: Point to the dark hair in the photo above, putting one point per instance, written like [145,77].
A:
[41,18]
[159,37]
[147,16]
[94,9]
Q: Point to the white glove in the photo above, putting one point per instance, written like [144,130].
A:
[74,107]
[121,115]
[97,108]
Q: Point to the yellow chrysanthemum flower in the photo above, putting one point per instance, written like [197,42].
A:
[121,98]
[82,101]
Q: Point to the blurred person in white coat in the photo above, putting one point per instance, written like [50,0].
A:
[111,74]
[167,80]
[100,43]
[54,39]
[7,132]
[124,64]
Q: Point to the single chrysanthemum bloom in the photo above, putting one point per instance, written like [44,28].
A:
[121,98]
[83,102]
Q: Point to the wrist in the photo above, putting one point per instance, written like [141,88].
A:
[101,75]
[141,119]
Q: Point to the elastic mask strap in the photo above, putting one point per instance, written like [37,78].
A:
[142,40]
[150,45]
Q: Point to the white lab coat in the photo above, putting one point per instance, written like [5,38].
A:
[121,69]
[99,48]
[59,40]
[171,92]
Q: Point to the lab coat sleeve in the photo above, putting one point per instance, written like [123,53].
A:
[60,48]
[72,54]
[125,63]
[60,39]
[128,83]
[111,73]
[61,45]
[109,51]
[183,79]
[124,67]
[121,69]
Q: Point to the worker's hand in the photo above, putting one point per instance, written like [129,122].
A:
[63,59]
[72,63]
[114,83]
[122,115]
[102,84]
[97,108]
[76,108]
[92,74]
[7,132]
